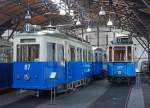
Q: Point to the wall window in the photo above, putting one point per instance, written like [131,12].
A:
[51,51]
[60,52]
[28,52]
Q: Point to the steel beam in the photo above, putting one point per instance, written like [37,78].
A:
[139,19]
[15,28]
[141,44]
[146,4]
[98,35]
[134,26]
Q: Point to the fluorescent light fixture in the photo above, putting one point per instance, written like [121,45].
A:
[78,22]
[56,1]
[63,7]
[71,13]
[88,29]
[109,23]
[74,19]
[102,11]
[28,16]
[62,12]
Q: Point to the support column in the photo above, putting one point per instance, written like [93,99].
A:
[149,53]
[108,53]
[112,53]
[132,56]
[97,35]
[126,53]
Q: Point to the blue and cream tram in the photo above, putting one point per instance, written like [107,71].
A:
[40,57]
[121,65]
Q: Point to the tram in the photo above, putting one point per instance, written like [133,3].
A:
[121,65]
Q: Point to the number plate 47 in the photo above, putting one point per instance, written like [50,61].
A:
[27,67]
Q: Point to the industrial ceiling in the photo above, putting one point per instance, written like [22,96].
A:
[130,15]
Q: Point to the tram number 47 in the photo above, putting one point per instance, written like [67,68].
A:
[27,67]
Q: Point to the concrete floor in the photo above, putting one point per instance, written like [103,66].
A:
[99,94]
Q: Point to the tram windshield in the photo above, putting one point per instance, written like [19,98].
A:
[120,53]
[28,52]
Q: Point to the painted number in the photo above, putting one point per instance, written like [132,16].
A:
[27,67]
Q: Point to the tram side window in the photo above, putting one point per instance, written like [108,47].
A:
[96,57]
[110,53]
[129,55]
[60,52]
[79,54]
[100,57]
[84,55]
[51,51]
[72,53]
[5,54]
[90,56]
[28,52]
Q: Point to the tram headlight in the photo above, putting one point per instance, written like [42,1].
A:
[119,72]
[26,77]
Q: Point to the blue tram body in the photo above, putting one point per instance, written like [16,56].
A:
[6,70]
[79,70]
[121,65]
[98,68]
[121,69]
[36,75]
[100,56]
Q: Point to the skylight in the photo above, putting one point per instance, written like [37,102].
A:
[61,5]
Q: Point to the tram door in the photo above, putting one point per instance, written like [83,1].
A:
[72,53]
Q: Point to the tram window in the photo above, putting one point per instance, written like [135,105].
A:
[28,52]
[51,51]
[72,53]
[89,55]
[5,54]
[60,52]
[119,54]
[129,55]
[79,54]
[100,57]
[110,53]
[84,55]
[96,57]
